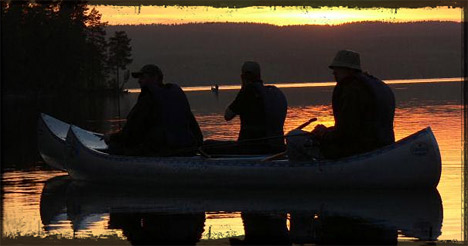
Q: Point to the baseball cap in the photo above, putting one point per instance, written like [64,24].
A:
[149,69]
[251,67]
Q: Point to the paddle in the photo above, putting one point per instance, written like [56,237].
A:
[260,139]
[281,154]
[306,124]
[204,154]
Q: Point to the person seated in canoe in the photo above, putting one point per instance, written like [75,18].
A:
[363,109]
[160,124]
[262,111]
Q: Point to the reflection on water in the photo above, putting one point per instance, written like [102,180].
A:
[159,228]
[164,216]
[35,205]
[280,16]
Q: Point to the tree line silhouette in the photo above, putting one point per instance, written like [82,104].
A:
[58,46]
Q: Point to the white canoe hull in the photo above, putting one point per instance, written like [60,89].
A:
[51,134]
[413,162]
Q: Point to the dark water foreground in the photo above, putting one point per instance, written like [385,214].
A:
[37,202]
[168,216]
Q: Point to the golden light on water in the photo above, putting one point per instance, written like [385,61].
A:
[279,16]
[223,225]
[22,190]
[316,84]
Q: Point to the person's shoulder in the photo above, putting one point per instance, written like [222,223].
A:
[171,86]
[272,88]
[352,82]
[352,86]
[248,89]
[146,97]
[370,77]
[274,91]
[145,93]
[249,86]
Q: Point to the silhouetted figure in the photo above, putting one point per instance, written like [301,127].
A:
[363,109]
[262,111]
[160,124]
[263,229]
[159,228]
[215,88]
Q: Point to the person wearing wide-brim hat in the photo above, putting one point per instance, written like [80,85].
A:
[363,109]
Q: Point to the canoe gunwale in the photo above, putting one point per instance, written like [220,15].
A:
[255,162]
[50,145]
[48,126]
[384,149]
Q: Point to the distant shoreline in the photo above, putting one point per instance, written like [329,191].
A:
[191,55]
[31,95]
[315,84]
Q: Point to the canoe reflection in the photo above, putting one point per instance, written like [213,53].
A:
[176,216]
[263,228]
[159,228]
[53,202]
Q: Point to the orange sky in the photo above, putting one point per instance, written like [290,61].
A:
[280,16]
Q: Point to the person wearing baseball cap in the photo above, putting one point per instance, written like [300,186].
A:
[262,111]
[151,70]
[160,124]
[363,109]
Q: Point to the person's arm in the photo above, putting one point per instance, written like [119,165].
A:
[111,137]
[195,129]
[229,114]
[348,122]
[243,100]
[136,127]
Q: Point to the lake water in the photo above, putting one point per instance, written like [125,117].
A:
[38,201]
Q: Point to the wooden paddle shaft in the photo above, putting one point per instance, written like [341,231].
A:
[306,124]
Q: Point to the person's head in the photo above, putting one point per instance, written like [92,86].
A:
[346,64]
[250,72]
[149,74]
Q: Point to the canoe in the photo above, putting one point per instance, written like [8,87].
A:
[51,134]
[416,214]
[412,162]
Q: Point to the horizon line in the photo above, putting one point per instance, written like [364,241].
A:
[312,84]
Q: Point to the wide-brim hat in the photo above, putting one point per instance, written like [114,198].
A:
[149,69]
[347,59]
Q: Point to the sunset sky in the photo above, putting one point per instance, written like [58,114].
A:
[280,16]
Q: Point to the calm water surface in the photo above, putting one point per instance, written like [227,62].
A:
[37,201]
